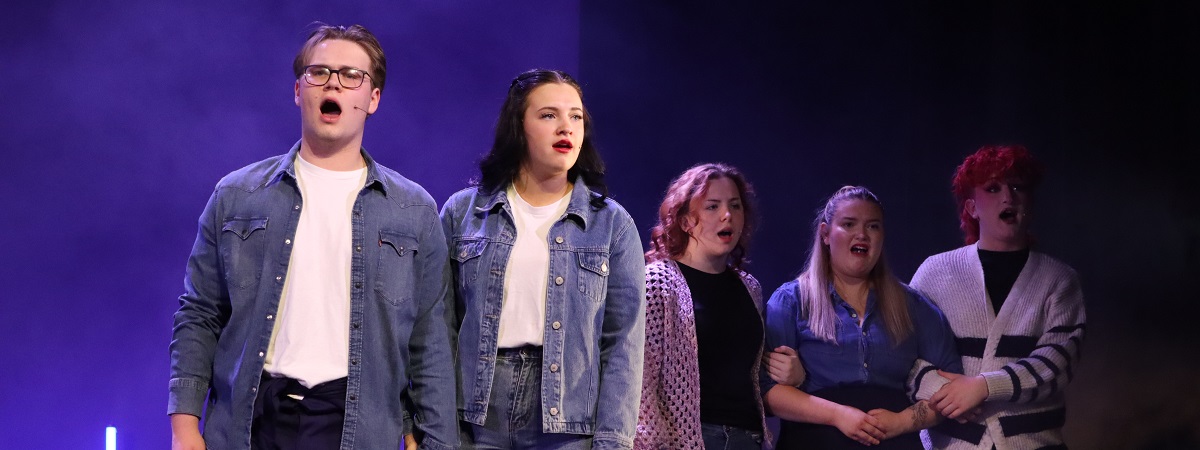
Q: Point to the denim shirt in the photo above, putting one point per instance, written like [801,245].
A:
[595,311]
[398,334]
[862,355]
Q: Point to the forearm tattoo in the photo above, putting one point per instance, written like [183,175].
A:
[920,415]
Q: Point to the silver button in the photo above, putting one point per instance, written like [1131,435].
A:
[864,364]
[554,367]
[556,325]
[853,314]
[558,280]
[558,240]
[270,316]
[462,254]
[287,241]
[297,207]
[278,278]
[554,411]
[358,248]
[261,354]
[603,267]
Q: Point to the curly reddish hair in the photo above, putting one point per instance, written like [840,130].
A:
[668,240]
[991,162]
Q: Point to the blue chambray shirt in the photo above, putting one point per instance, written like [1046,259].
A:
[861,356]
[595,311]
[398,333]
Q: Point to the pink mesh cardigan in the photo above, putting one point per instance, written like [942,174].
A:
[669,416]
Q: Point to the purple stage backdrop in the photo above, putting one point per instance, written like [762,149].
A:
[120,117]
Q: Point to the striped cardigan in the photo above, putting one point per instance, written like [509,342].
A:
[669,417]
[1027,353]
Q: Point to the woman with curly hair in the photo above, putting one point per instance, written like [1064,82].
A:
[704,324]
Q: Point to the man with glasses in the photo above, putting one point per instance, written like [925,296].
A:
[312,315]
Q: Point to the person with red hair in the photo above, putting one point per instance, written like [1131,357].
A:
[1017,315]
[704,320]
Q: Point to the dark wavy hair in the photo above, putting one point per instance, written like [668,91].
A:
[668,240]
[991,162]
[510,149]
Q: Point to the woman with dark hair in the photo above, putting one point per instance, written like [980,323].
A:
[548,283]
[859,332]
[704,325]
[1018,314]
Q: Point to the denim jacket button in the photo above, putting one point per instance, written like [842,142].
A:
[261,354]
[270,316]
[278,278]
[556,325]
[554,367]
[287,241]
[553,411]
[558,240]
[604,267]
[558,281]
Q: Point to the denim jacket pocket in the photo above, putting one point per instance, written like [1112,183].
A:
[242,248]
[466,254]
[396,267]
[593,278]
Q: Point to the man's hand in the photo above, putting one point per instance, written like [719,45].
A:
[185,432]
[410,443]
[960,398]
[859,426]
[783,365]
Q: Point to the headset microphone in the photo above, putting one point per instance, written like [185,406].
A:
[363,110]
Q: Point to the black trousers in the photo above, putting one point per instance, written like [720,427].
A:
[289,416]
[793,435]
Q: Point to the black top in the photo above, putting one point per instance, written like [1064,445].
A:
[1000,272]
[729,332]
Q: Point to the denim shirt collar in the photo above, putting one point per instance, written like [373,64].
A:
[287,166]
[578,207]
[837,300]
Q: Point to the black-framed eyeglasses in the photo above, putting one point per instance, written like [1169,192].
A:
[349,78]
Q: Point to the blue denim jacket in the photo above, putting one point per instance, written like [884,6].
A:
[595,312]
[398,334]
[862,355]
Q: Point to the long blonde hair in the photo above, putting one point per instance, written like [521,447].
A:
[814,282]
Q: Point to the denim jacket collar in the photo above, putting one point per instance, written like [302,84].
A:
[579,206]
[287,166]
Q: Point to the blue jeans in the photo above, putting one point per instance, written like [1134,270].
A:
[514,413]
[724,437]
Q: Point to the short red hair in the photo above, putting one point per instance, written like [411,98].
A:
[991,162]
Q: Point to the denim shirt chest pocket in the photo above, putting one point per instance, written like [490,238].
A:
[593,276]
[396,268]
[243,244]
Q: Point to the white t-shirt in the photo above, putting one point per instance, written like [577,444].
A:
[311,338]
[523,314]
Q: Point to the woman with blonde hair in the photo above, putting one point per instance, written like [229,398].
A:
[859,332]
[704,325]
